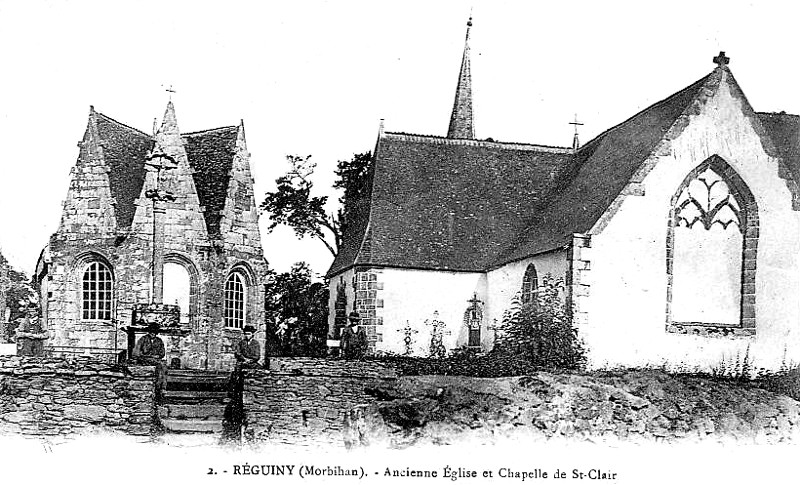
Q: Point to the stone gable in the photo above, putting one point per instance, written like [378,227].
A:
[209,242]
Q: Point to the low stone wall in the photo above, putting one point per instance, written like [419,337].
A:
[307,401]
[64,397]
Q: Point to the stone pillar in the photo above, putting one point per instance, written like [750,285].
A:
[159,212]
[578,277]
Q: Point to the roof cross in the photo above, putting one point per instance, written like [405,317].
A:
[576,123]
[575,143]
[171,91]
[722,59]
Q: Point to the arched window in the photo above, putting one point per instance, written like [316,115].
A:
[178,288]
[530,285]
[235,300]
[97,290]
[711,250]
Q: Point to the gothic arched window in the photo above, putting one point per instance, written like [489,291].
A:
[97,290]
[235,300]
[530,285]
[711,250]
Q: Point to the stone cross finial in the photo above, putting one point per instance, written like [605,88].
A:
[722,59]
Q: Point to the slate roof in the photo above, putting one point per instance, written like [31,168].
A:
[210,154]
[602,168]
[124,151]
[464,205]
[447,204]
[784,130]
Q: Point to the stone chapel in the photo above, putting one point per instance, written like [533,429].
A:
[160,226]
[676,232]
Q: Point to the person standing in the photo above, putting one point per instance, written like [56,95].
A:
[353,343]
[247,355]
[248,350]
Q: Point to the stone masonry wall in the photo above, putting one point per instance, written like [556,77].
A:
[368,303]
[4,282]
[89,232]
[308,401]
[208,345]
[60,397]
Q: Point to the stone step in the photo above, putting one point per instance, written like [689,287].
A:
[198,372]
[177,375]
[197,381]
[192,425]
[194,397]
[197,386]
[192,411]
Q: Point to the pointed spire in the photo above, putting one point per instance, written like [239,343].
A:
[168,149]
[169,126]
[461,120]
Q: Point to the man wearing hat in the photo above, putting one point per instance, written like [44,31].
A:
[354,339]
[247,354]
[149,350]
[248,351]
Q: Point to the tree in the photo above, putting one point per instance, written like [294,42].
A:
[297,313]
[354,180]
[20,294]
[293,205]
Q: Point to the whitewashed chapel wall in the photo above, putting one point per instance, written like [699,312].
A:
[627,300]
[506,282]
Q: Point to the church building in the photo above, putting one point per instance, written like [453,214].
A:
[676,233]
[155,228]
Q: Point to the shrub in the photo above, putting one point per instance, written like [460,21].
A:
[786,382]
[542,331]
[497,363]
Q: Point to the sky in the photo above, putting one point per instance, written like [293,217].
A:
[315,77]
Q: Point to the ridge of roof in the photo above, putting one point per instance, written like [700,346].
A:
[209,130]
[699,83]
[776,113]
[560,215]
[479,143]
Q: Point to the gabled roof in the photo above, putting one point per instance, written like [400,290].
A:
[464,205]
[447,204]
[602,168]
[210,154]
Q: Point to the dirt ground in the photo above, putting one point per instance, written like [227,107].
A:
[632,406]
